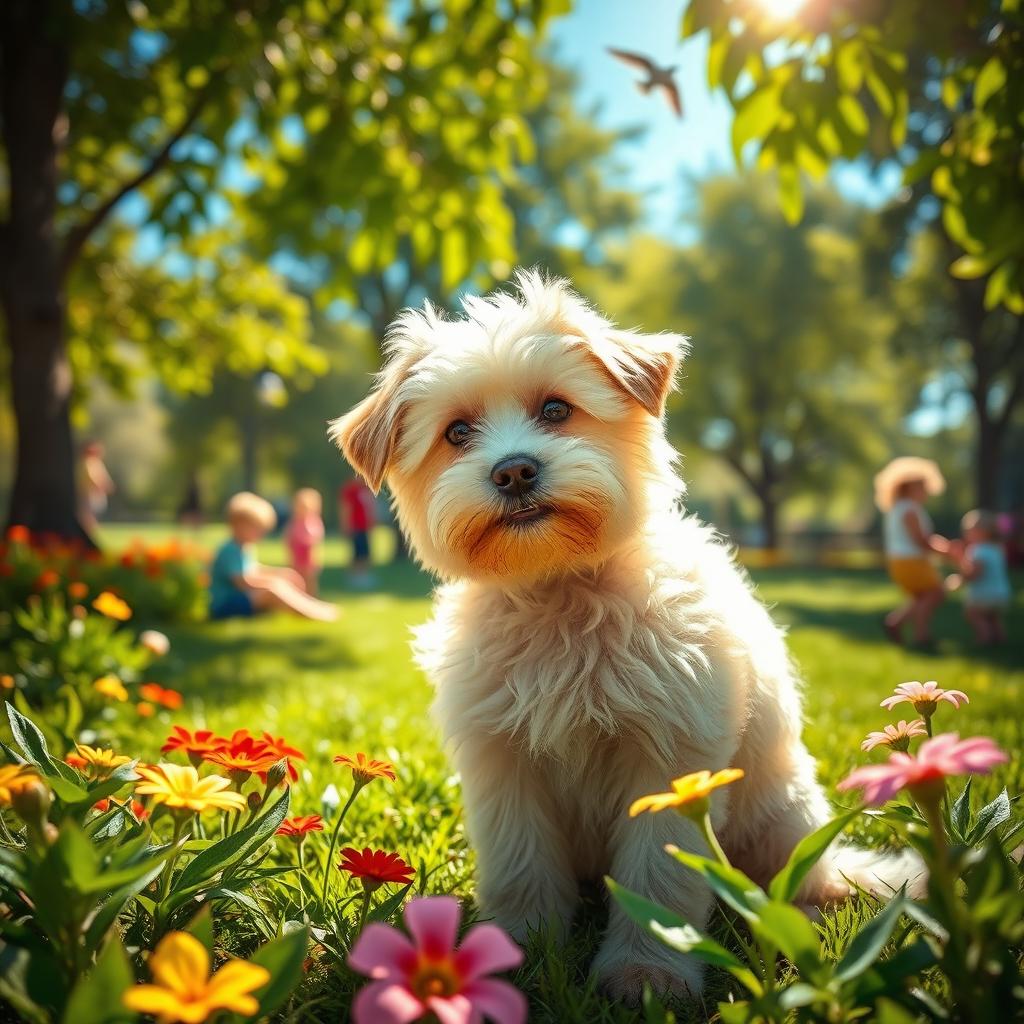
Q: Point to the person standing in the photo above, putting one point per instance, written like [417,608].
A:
[97,485]
[357,508]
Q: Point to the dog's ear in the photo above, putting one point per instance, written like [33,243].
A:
[643,365]
[368,434]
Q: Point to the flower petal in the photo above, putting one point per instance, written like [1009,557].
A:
[385,1002]
[382,952]
[499,1000]
[485,950]
[231,987]
[434,923]
[180,963]
[456,1009]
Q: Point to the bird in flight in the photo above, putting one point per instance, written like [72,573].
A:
[657,78]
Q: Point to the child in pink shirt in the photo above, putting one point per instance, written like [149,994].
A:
[304,535]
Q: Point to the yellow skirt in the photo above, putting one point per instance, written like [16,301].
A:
[914,575]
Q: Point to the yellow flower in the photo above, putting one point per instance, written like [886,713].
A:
[112,687]
[180,786]
[98,760]
[112,606]
[183,989]
[14,780]
[690,789]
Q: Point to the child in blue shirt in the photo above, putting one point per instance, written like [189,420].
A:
[240,585]
[983,570]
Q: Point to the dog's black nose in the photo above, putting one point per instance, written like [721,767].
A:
[515,475]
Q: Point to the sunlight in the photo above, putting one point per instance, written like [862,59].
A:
[782,9]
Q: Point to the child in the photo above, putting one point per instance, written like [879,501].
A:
[304,534]
[239,585]
[983,567]
[901,489]
[356,513]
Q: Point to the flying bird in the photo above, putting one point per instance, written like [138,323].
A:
[657,78]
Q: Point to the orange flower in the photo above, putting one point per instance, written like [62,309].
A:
[281,749]
[243,753]
[365,770]
[157,694]
[6,683]
[137,808]
[112,606]
[77,590]
[46,579]
[201,742]
[75,760]
[19,535]
[299,827]
[145,709]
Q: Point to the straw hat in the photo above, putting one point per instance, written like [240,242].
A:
[902,471]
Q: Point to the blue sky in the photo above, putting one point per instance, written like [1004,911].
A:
[671,149]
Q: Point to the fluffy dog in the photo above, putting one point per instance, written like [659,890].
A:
[589,642]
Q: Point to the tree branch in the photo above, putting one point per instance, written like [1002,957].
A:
[79,235]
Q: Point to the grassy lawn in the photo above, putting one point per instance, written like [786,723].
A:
[351,686]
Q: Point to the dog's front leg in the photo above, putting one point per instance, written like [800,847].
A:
[524,875]
[629,956]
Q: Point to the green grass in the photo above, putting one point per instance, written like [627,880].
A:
[351,686]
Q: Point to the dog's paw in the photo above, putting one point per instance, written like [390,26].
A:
[625,981]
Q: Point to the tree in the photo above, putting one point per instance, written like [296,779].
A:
[938,88]
[787,375]
[330,130]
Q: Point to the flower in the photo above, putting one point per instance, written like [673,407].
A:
[924,696]
[156,694]
[99,761]
[365,770]
[77,590]
[200,743]
[689,789]
[104,805]
[75,760]
[112,687]
[300,827]
[896,736]
[112,606]
[944,755]
[145,709]
[430,974]
[6,682]
[19,535]
[242,753]
[375,867]
[46,579]
[155,642]
[280,747]
[183,989]
[179,785]
[14,780]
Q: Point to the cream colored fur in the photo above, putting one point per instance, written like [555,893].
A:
[588,658]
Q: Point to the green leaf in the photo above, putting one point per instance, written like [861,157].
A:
[756,115]
[785,885]
[201,926]
[960,815]
[853,114]
[283,957]
[991,80]
[728,883]
[30,740]
[850,58]
[230,851]
[118,899]
[454,258]
[790,930]
[867,944]
[96,999]
[990,817]
[791,194]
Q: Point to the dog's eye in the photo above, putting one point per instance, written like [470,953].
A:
[458,432]
[555,410]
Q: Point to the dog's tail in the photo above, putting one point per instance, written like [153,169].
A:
[845,869]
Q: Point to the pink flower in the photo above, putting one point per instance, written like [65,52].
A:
[430,974]
[896,736]
[924,696]
[944,755]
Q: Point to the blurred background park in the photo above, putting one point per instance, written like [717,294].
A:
[214,210]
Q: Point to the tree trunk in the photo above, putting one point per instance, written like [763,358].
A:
[769,518]
[988,457]
[34,72]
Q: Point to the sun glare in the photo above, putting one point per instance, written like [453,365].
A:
[782,8]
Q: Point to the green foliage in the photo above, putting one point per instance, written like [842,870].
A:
[835,82]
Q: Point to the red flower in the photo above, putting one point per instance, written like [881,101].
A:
[19,535]
[104,805]
[77,590]
[280,747]
[375,867]
[200,743]
[145,709]
[300,827]
[46,579]
[365,769]
[76,760]
[243,753]
[156,694]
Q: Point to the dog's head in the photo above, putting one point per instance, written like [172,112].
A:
[519,441]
